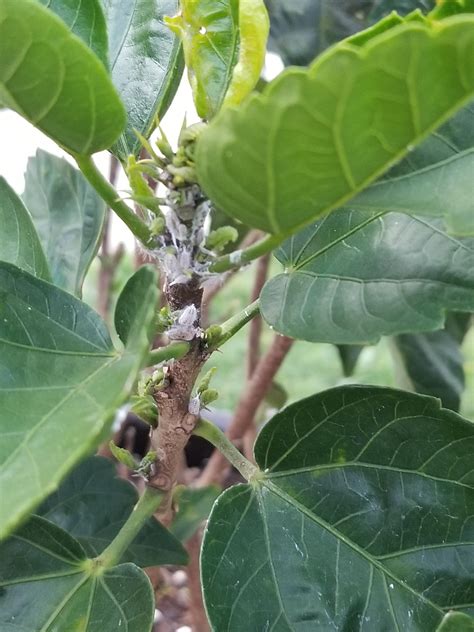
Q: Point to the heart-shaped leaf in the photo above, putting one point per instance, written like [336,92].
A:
[433,363]
[145,61]
[47,583]
[317,137]
[54,81]
[20,243]
[61,382]
[433,180]
[86,20]
[354,277]
[68,215]
[93,504]
[360,519]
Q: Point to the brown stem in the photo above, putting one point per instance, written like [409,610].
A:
[176,423]
[196,605]
[255,331]
[248,405]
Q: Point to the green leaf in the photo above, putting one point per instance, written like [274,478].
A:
[315,138]
[93,504]
[54,81]
[146,64]
[210,36]
[194,507]
[20,244]
[47,583]
[354,277]
[433,363]
[456,622]
[61,382]
[129,300]
[361,519]
[86,20]
[68,215]
[446,8]
[301,30]
[433,180]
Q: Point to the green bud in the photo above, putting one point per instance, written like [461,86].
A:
[123,456]
[164,146]
[212,335]
[206,380]
[145,407]
[145,464]
[137,181]
[157,226]
[208,396]
[191,134]
[218,239]
[163,320]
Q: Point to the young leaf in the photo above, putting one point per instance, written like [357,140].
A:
[54,81]
[68,215]
[61,382]
[146,64]
[210,36]
[86,20]
[433,363]
[48,584]
[315,138]
[359,520]
[194,507]
[92,505]
[20,243]
[433,179]
[354,277]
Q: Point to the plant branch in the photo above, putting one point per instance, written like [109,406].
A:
[255,331]
[173,351]
[210,432]
[249,403]
[240,258]
[146,506]
[109,194]
[235,324]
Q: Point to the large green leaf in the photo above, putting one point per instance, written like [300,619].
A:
[354,277]
[68,215]
[433,180]
[210,35]
[92,505]
[145,61]
[61,382]
[317,137]
[20,243]
[86,20]
[54,80]
[360,519]
[48,585]
[433,363]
